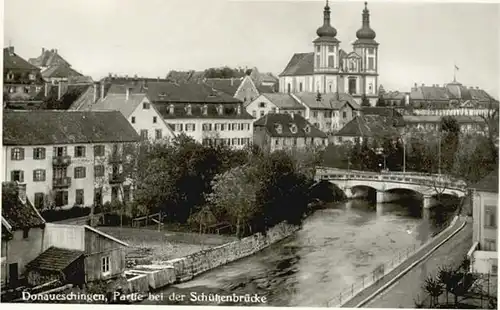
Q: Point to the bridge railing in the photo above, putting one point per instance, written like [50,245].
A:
[424,181]
[372,277]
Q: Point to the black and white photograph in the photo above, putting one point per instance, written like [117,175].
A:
[250,153]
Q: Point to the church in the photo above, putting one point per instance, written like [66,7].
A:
[329,69]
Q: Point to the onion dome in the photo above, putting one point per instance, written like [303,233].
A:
[326,30]
[366,32]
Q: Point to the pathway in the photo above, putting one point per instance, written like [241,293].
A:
[363,295]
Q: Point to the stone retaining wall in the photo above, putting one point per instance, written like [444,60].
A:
[162,273]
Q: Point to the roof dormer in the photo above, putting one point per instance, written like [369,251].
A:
[238,109]
[171,109]
[307,129]
[204,109]
[279,128]
[189,109]
[293,128]
[220,109]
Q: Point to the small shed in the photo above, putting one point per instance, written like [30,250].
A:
[65,265]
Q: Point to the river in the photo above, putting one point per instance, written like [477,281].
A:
[333,249]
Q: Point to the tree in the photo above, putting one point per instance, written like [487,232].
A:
[445,277]
[450,130]
[491,128]
[434,289]
[364,101]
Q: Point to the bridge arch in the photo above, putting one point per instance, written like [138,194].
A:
[362,191]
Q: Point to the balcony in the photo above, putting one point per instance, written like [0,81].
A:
[61,182]
[116,178]
[63,161]
[115,159]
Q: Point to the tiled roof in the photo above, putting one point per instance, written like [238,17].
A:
[284,101]
[268,89]
[394,95]
[18,215]
[185,76]
[368,126]
[461,119]
[180,111]
[73,93]
[228,86]
[118,102]
[45,127]
[386,112]
[60,71]
[300,64]
[488,183]
[48,58]
[54,259]
[285,120]
[14,61]
[328,100]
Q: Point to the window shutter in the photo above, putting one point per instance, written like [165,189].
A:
[34,175]
[22,153]
[12,175]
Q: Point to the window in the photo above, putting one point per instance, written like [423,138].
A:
[294,141]
[261,113]
[114,193]
[331,62]
[344,114]
[79,151]
[371,63]
[38,175]
[39,198]
[80,172]
[17,154]
[39,153]
[145,105]
[273,110]
[262,104]
[105,265]
[317,60]
[315,114]
[158,134]
[61,198]
[330,48]
[60,151]
[10,76]
[300,86]
[277,141]
[79,197]
[222,127]
[494,269]
[171,109]
[278,128]
[144,134]
[205,110]
[489,245]
[371,51]
[26,89]
[188,109]
[17,175]
[60,173]
[32,77]
[206,127]
[490,217]
[99,150]
[99,170]
[254,113]
[235,141]
[318,48]
[293,128]
[220,109]
[132,120]
[288,88]
[26,233]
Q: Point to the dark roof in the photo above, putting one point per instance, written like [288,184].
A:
[228,86]
[268,89]
[488,183]
[60,71]
[271,121]
[73,93]
[13,61]
[42,127]
[185,76]
[48,58]
[54,259]
[329,101]
[386,112]
[368,126]
[284,101]
[300,64]
[180,111]
[19,215]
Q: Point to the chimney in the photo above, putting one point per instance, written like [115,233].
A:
[127,93]
[423,84]
[11,50]
[43,50]
[102,90]
[407,99]
[21,191]
[55,51]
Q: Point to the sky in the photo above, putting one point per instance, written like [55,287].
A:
[420,42]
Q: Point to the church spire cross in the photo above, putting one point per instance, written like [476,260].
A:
[366,16]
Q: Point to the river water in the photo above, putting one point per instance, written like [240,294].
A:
[333,249]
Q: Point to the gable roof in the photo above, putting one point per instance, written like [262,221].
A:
[230,111]
[488,183]
[185,76]
[270,120]
[284,101]
[368,126]
[228,86]
[15,213]
[97,231]
[300,64]
[48,58]
[328,100]
[70,96]
[60,71]
[46,127]
[118,102]
[268,88]
[54,259]
[13,61]
[353,55]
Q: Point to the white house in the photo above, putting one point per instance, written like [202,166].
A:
[274,103]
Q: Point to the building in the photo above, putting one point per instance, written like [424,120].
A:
[328,112]
[190,76]
[483,254]
[369,128]
[48,58]
[195,109]
[395,98]
[398,120]
[69,95]
[330,69]
[22,233]
[140,112]
[432,123]
[285,132]
[22,82]
[67,158]
[274,103]
[243,88]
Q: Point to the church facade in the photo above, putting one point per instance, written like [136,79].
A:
[329,69]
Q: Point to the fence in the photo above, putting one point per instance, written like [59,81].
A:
[368,279]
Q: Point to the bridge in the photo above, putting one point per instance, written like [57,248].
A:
[389,186]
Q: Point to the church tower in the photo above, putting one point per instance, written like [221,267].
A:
[326,56]
[366,47]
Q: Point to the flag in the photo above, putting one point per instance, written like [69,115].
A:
[456,68]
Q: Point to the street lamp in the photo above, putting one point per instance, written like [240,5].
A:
[404,153]
[380,151]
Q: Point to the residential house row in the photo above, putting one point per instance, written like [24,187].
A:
[35,252]
[67,158]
